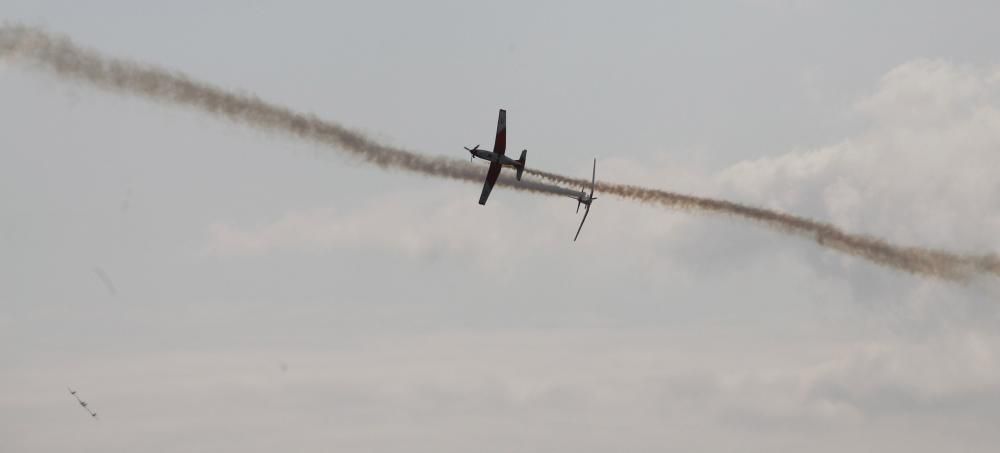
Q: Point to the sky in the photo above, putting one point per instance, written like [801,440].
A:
[210,287]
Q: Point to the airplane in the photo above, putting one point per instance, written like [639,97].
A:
[584,198]
[83,403]
[497,158]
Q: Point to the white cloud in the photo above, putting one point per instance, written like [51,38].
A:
[931,94]
[413,223]
[922,174]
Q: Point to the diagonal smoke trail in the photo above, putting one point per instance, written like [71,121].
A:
[60,56]
[63,58]
[916,260]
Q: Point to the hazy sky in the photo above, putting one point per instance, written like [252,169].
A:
[209,287]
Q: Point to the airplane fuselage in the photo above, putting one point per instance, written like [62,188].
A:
[494,157]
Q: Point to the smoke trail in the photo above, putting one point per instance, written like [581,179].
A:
[916,260]
[63,58]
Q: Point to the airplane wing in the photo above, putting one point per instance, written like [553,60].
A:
[491,179]
[585,212]
[500,145]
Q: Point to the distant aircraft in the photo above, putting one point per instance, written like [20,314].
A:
[82,403]
[497,158]
[584,198]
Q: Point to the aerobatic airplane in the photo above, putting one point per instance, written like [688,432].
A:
[584,198]
[497,158]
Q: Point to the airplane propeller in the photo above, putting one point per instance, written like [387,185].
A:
[472,155]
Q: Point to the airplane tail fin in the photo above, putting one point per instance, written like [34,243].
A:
[522,160]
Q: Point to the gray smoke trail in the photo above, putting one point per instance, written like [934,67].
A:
[63,58]
[915,260]
[60,56]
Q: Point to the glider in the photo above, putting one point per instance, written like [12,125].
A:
[586,199]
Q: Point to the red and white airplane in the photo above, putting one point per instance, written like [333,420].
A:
[497,158]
